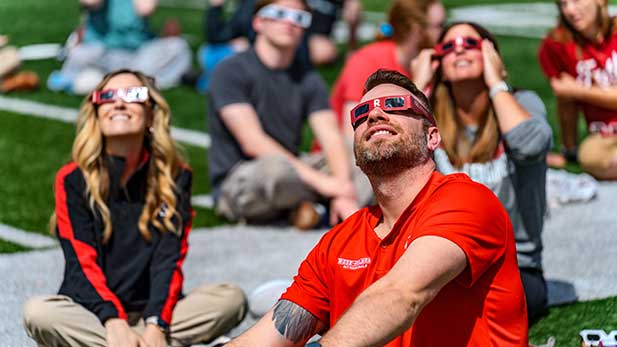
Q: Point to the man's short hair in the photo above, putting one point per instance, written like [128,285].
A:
[263,3]
[383,76]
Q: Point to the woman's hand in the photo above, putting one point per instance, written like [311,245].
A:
[423,68]
[154,337]
[120,334]
[494,70]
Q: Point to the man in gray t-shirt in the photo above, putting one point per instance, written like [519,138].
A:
[259,103]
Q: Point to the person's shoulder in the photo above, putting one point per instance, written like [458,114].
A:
[559,35]
[69,170]
[459,187]
[235,63]
[372,50]
[70,174]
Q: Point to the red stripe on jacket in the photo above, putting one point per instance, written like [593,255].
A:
[177,278]
[86,255]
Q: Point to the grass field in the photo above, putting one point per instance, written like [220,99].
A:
[32,149]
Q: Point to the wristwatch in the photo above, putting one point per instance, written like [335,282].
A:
[158,322]
[499,87]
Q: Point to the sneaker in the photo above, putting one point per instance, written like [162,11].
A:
[306,216]
[25,80]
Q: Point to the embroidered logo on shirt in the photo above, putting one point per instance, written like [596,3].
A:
[354,264]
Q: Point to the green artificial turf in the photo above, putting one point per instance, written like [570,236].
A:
[9,247]
[32,149]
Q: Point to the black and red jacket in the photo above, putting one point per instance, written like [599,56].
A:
[127,274]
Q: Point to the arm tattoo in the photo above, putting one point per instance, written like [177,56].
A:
[294,322]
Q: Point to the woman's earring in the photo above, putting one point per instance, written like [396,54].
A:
[151,130]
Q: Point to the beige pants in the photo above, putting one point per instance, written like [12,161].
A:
[598,156]
[204,314]
[264,189]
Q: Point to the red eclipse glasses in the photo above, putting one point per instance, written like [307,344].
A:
[132,94]
[359,114]
[444,48]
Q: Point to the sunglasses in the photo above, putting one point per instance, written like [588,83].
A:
[359,114]
[595,337]
[132,94]
[296,17]
[445,48]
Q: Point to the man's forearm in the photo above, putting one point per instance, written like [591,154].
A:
[376,317]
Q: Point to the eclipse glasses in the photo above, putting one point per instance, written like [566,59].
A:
[296,17]
[359,114]
[132,94]
[598,337]
[445,48]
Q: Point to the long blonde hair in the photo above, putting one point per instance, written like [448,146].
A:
[89,150]
[453,139]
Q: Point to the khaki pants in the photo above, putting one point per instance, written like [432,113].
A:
[204,314]
[264,189]
[598,156]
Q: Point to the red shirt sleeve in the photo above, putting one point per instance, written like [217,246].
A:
[552,57]
[309,288]
[471,216]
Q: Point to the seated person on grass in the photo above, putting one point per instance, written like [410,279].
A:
[579,57]
[117,36]
[497,136]
[433,264]
[259,103]
[123,216]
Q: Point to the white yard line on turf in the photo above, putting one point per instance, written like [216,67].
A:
[24,238]
[69,115]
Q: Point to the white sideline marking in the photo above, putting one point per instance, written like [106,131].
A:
[69,115]
[203,200]
[24,238]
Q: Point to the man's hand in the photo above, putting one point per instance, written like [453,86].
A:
[565,86]
[119,334]
[154,336]
[494,70]
[341,208]
[423,68]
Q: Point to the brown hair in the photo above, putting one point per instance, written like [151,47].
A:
[383,76]
[403,14]
[263,3]
[607,27]
[453,139]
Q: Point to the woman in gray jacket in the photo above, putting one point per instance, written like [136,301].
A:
[497,136]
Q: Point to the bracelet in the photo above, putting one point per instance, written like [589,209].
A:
[571,154]
[499,87]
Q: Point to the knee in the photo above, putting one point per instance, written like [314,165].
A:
[233,302]
[275,167]
[38,314]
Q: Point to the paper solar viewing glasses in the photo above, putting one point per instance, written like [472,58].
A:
[444,48]
[132,94]
[359,114]
[598,337]
[294,16]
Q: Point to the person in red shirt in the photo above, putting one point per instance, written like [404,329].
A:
[434,263]
[415,25]
[579,57]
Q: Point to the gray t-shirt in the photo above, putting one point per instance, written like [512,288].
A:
[283,99]
[517,177]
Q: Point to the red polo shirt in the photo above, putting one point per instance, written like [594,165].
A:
[483,306]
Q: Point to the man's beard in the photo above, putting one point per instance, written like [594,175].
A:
[386,157]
